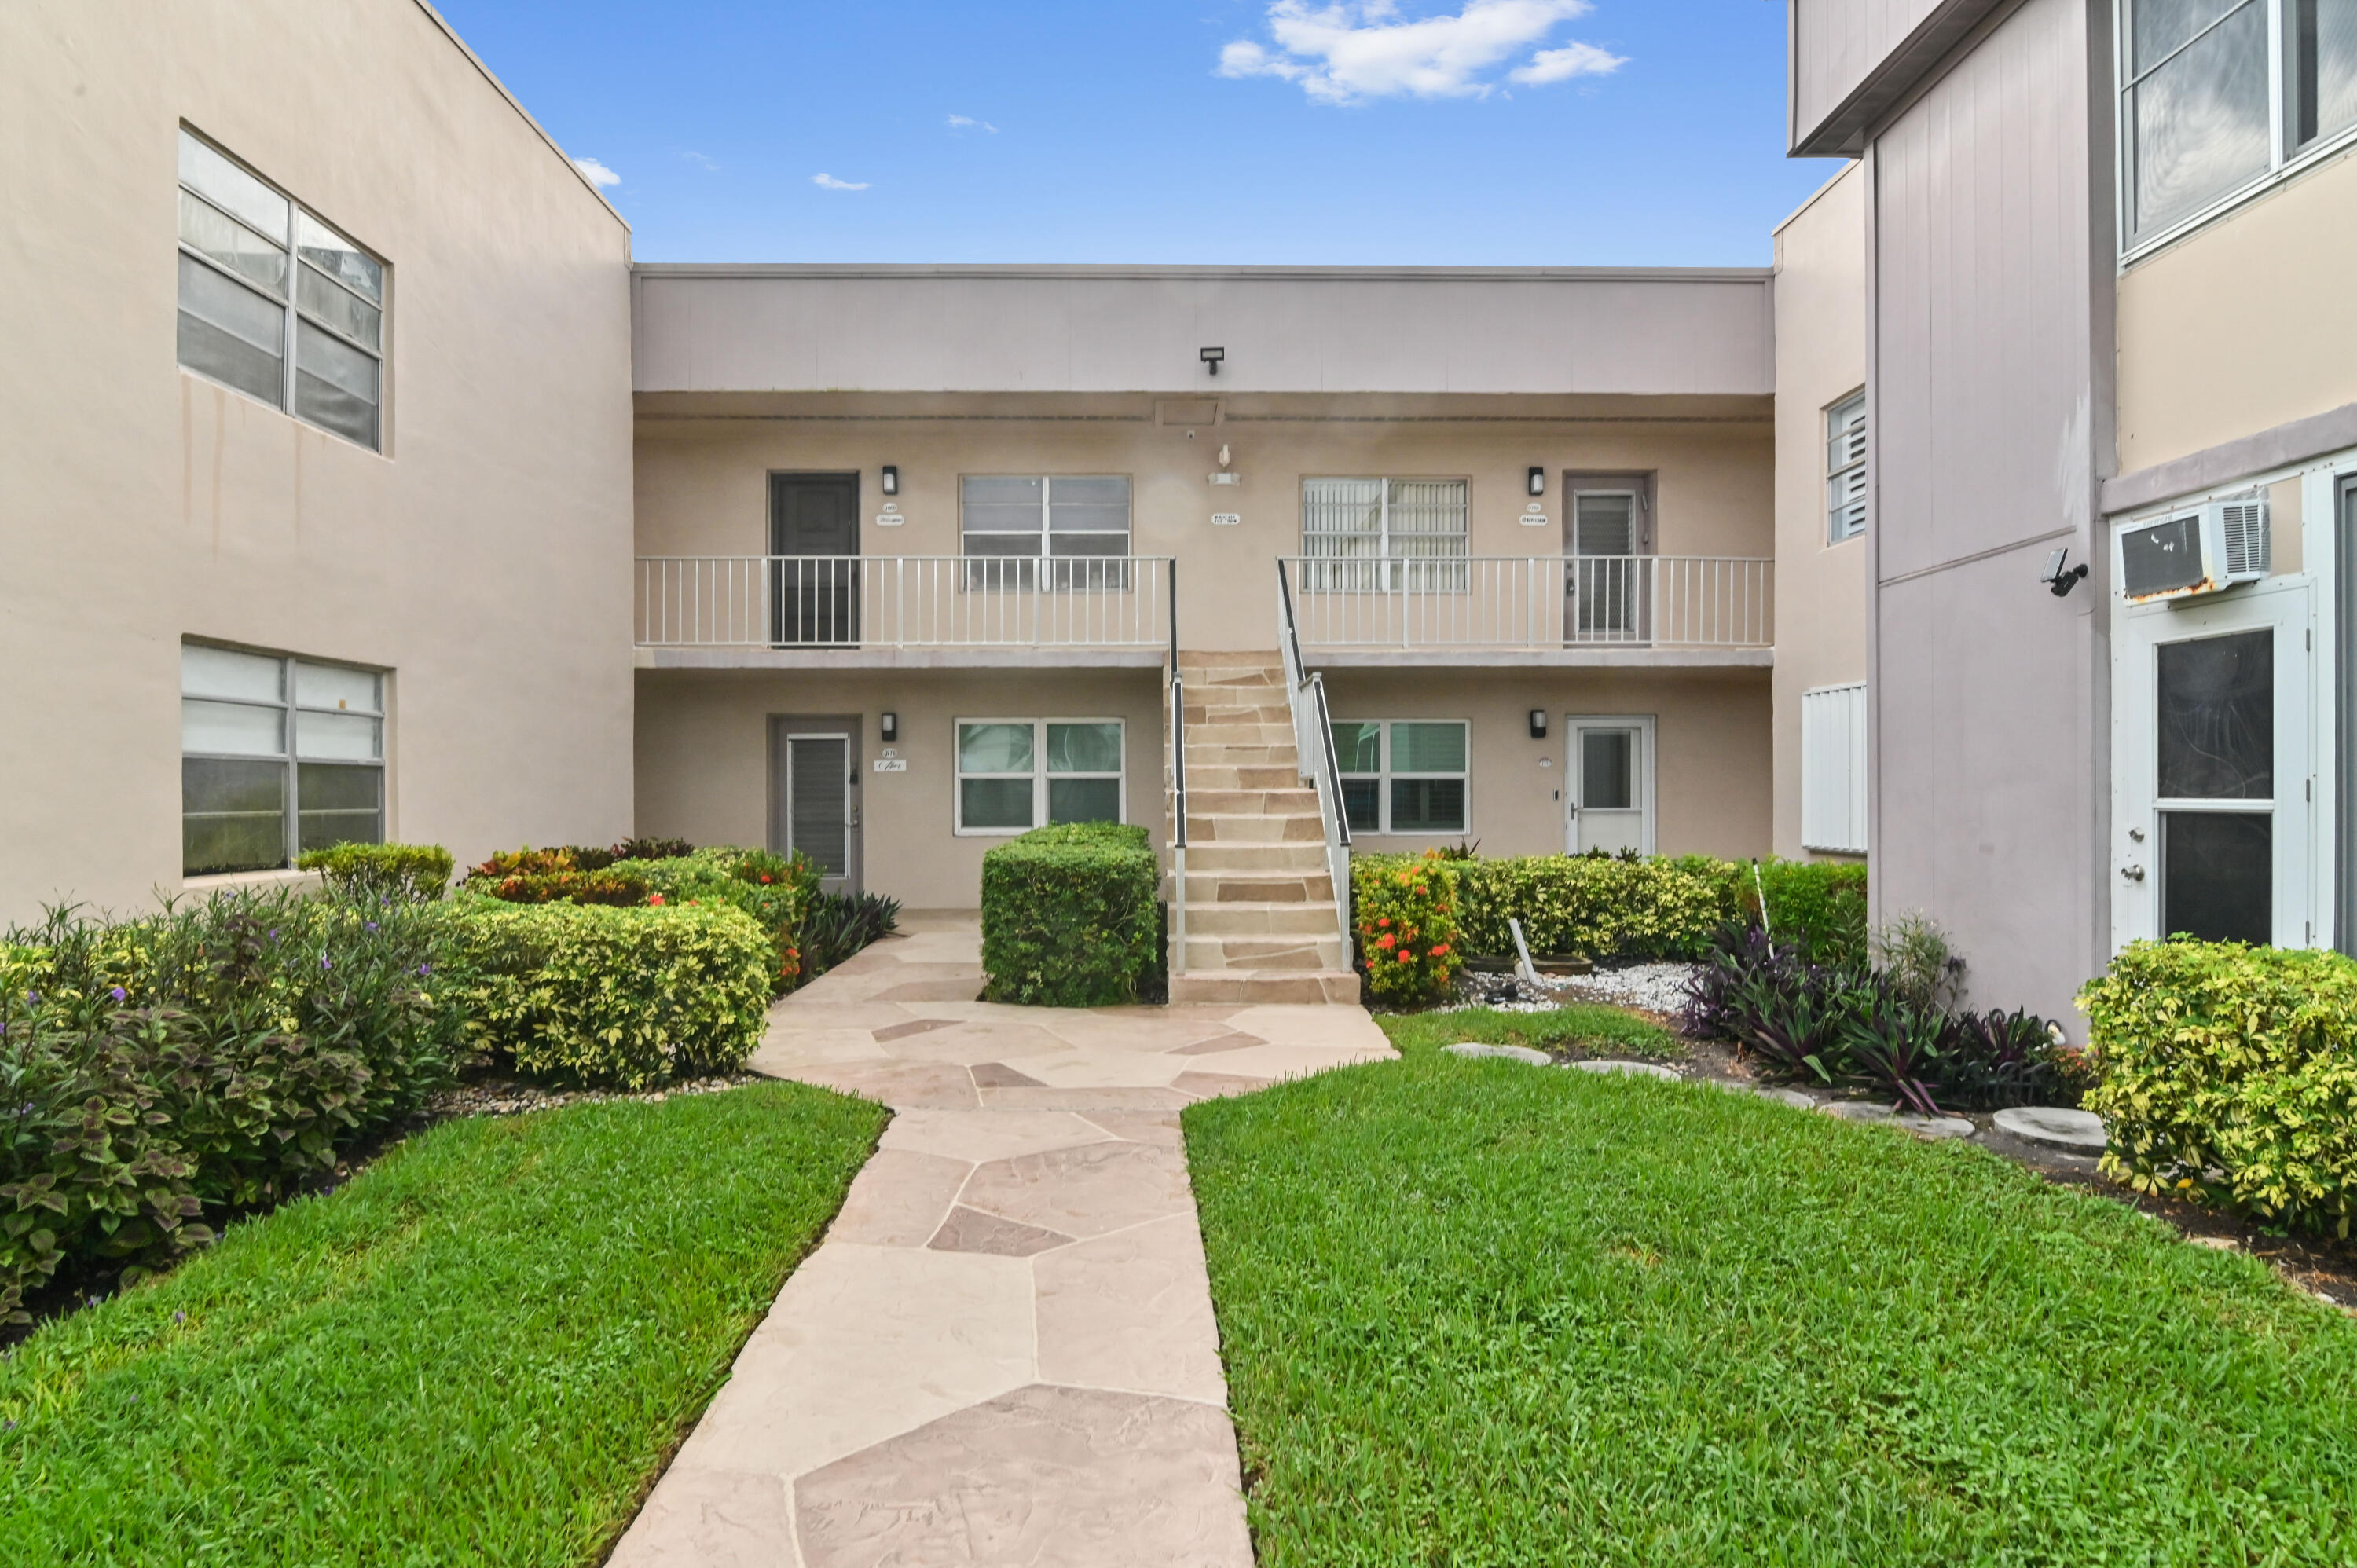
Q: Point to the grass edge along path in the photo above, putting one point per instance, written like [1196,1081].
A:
[1573,1030]
[481,1350]
[1479,1313]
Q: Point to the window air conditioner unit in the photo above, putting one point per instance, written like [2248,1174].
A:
[2212,547]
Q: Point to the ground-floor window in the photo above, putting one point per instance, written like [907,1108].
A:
[1405,776]
[1014,774]
[279,755]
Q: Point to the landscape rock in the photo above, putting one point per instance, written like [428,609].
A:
[2081,1132]
[1646,1069]
[1511,1053]
[1930,1128]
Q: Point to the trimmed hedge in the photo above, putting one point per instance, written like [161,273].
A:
[408,871]
[634,997]
[1071,916]
[1605,906]
[2214,1056]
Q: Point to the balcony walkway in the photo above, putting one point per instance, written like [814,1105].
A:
[1003,1350]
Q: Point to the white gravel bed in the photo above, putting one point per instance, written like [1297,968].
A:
[1655,987]
[504,1099]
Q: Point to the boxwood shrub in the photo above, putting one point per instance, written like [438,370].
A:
[409,871]
[1070,916]
[604,995]
[2229,1073]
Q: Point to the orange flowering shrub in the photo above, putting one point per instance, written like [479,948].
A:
[1406,916]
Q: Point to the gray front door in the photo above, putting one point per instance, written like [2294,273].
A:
[814,795]
[814,585]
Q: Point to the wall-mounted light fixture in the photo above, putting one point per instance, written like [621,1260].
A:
[2058,580]
[1213,357]
[1538,482]
[888,726]
[891,478]
[1538,724]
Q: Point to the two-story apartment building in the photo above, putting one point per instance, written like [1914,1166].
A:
[2105,312]
[314,450]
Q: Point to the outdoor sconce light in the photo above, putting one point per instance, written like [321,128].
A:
[891,479]
[1538,482]
[1213,357]
[888,726]
[1538,715]
[2059,581]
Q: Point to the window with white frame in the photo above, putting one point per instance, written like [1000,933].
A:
[1009,523]
[278,756]
[1014,774]
[1405,776]
[1833,770]
[1394,533]
[1846,469]
[258,273]
[2216,95]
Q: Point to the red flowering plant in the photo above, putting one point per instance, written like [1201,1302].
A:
[1406,916]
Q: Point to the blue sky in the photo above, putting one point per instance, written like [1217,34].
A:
[1419,131]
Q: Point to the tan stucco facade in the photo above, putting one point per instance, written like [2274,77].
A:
[2242,325]
[1821,588]
[481,558]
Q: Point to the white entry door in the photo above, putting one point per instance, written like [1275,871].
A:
[1609,779]
[2210,768]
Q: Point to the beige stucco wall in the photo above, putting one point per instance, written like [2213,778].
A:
[703,756]
[483,558]
[703,763]
[1710,748]
[1820,359]
[702,482]
[2242,325]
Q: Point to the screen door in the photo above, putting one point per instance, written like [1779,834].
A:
[815,807]
[1609,771]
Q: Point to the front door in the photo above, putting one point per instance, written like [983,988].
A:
[814,795]
[1609,775]
[814,585]
[2211,770]
[1608,546]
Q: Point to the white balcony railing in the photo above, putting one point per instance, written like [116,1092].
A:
[903,601]
[1534,602]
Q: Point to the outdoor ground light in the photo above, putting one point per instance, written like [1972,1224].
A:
[1538,482]
[891,479]
[888,724]
[1538,715]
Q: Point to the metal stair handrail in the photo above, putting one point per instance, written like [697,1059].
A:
[1313,742]
[1177,689]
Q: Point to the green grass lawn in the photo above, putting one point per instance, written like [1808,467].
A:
[1477,1312]
[479,1351]
[1585,1030]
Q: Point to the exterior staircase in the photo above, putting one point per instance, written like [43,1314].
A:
[1261,923]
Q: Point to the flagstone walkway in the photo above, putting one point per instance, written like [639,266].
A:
[1003,1352]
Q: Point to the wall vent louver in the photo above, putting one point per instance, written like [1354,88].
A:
[2248,539]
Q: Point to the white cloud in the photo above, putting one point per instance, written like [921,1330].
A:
[1560,65]
[595,173]
[700,161]
[1347,51]
[828,182]
[968,122]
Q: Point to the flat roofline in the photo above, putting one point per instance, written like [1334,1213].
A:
[1251,274]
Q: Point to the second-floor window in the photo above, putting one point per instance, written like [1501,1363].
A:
[274,302]
[1411,534]
[1846,469]
[2215,94]
[1079,520]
